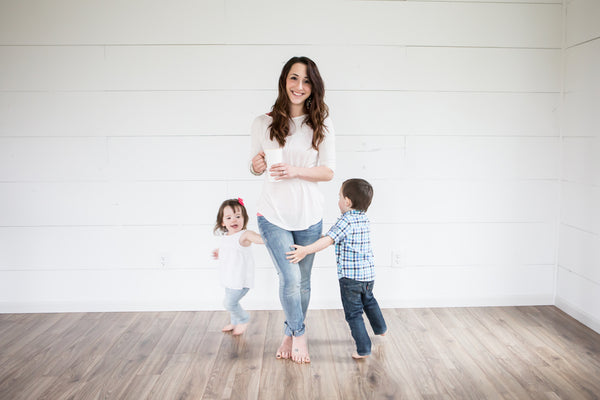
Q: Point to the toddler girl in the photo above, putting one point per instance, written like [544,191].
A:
[236,263]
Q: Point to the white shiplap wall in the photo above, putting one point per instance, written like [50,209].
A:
[578,284]
[124,125]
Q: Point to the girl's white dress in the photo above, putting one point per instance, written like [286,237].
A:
[236,263]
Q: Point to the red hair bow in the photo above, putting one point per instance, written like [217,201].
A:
[240,201]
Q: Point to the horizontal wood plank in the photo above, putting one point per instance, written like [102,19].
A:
[194,113]
[135,68]
[358,22]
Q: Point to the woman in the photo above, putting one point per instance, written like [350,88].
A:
[290,209]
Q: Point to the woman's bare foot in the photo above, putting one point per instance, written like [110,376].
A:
[228,328]
[300,349]
[357,356]
[239,329]
[285,349]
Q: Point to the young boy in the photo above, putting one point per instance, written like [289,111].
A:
[355,266]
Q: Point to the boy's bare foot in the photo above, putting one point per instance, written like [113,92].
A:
[228,328]
[239,329]
[356,356]
[300,349]
[285,349]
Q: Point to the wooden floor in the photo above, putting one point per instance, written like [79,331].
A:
[441,353]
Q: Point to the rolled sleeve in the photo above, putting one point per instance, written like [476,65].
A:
[339,231]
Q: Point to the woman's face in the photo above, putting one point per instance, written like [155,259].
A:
[297,85]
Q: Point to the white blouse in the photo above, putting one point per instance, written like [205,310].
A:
[293,204]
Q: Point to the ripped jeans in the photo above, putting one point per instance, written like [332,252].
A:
[294,279]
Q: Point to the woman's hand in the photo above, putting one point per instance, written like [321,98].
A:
[259,165]
[215,254]
[282,171]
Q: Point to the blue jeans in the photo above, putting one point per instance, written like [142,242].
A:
[294,279]
[232,304]
[358,297]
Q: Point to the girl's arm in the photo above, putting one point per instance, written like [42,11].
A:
[302,251]
[250,237]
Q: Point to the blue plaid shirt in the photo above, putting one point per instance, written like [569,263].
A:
[352,237]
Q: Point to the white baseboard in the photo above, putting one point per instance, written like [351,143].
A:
[70,307]
[258,304]
[585,318]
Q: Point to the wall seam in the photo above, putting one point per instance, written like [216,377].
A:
[561,107]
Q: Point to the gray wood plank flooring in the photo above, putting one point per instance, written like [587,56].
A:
[429,353]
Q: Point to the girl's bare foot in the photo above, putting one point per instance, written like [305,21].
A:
[300,349]
[239,329]
[356,356]
[285,349]
[228,328]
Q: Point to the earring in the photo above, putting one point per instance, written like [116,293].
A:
[307,102]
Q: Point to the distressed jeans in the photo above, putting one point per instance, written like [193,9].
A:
[294,279]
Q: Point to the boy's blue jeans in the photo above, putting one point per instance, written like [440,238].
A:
[356,297]
[294,279]
[232,304]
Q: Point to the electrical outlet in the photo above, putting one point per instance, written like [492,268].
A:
[397,259]
[164,259]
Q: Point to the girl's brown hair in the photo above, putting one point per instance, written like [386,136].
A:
[315,105]
[235,204]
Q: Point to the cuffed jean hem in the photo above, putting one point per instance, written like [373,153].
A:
[295,333]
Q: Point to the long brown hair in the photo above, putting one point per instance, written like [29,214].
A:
[315,105]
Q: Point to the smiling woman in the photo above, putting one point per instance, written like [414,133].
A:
[290,209]
[298,88]
[301,93]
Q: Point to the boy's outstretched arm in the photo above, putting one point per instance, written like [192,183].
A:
[250,237]
[297,255]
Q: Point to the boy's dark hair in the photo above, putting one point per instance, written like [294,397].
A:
[235,204]
[360,193]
